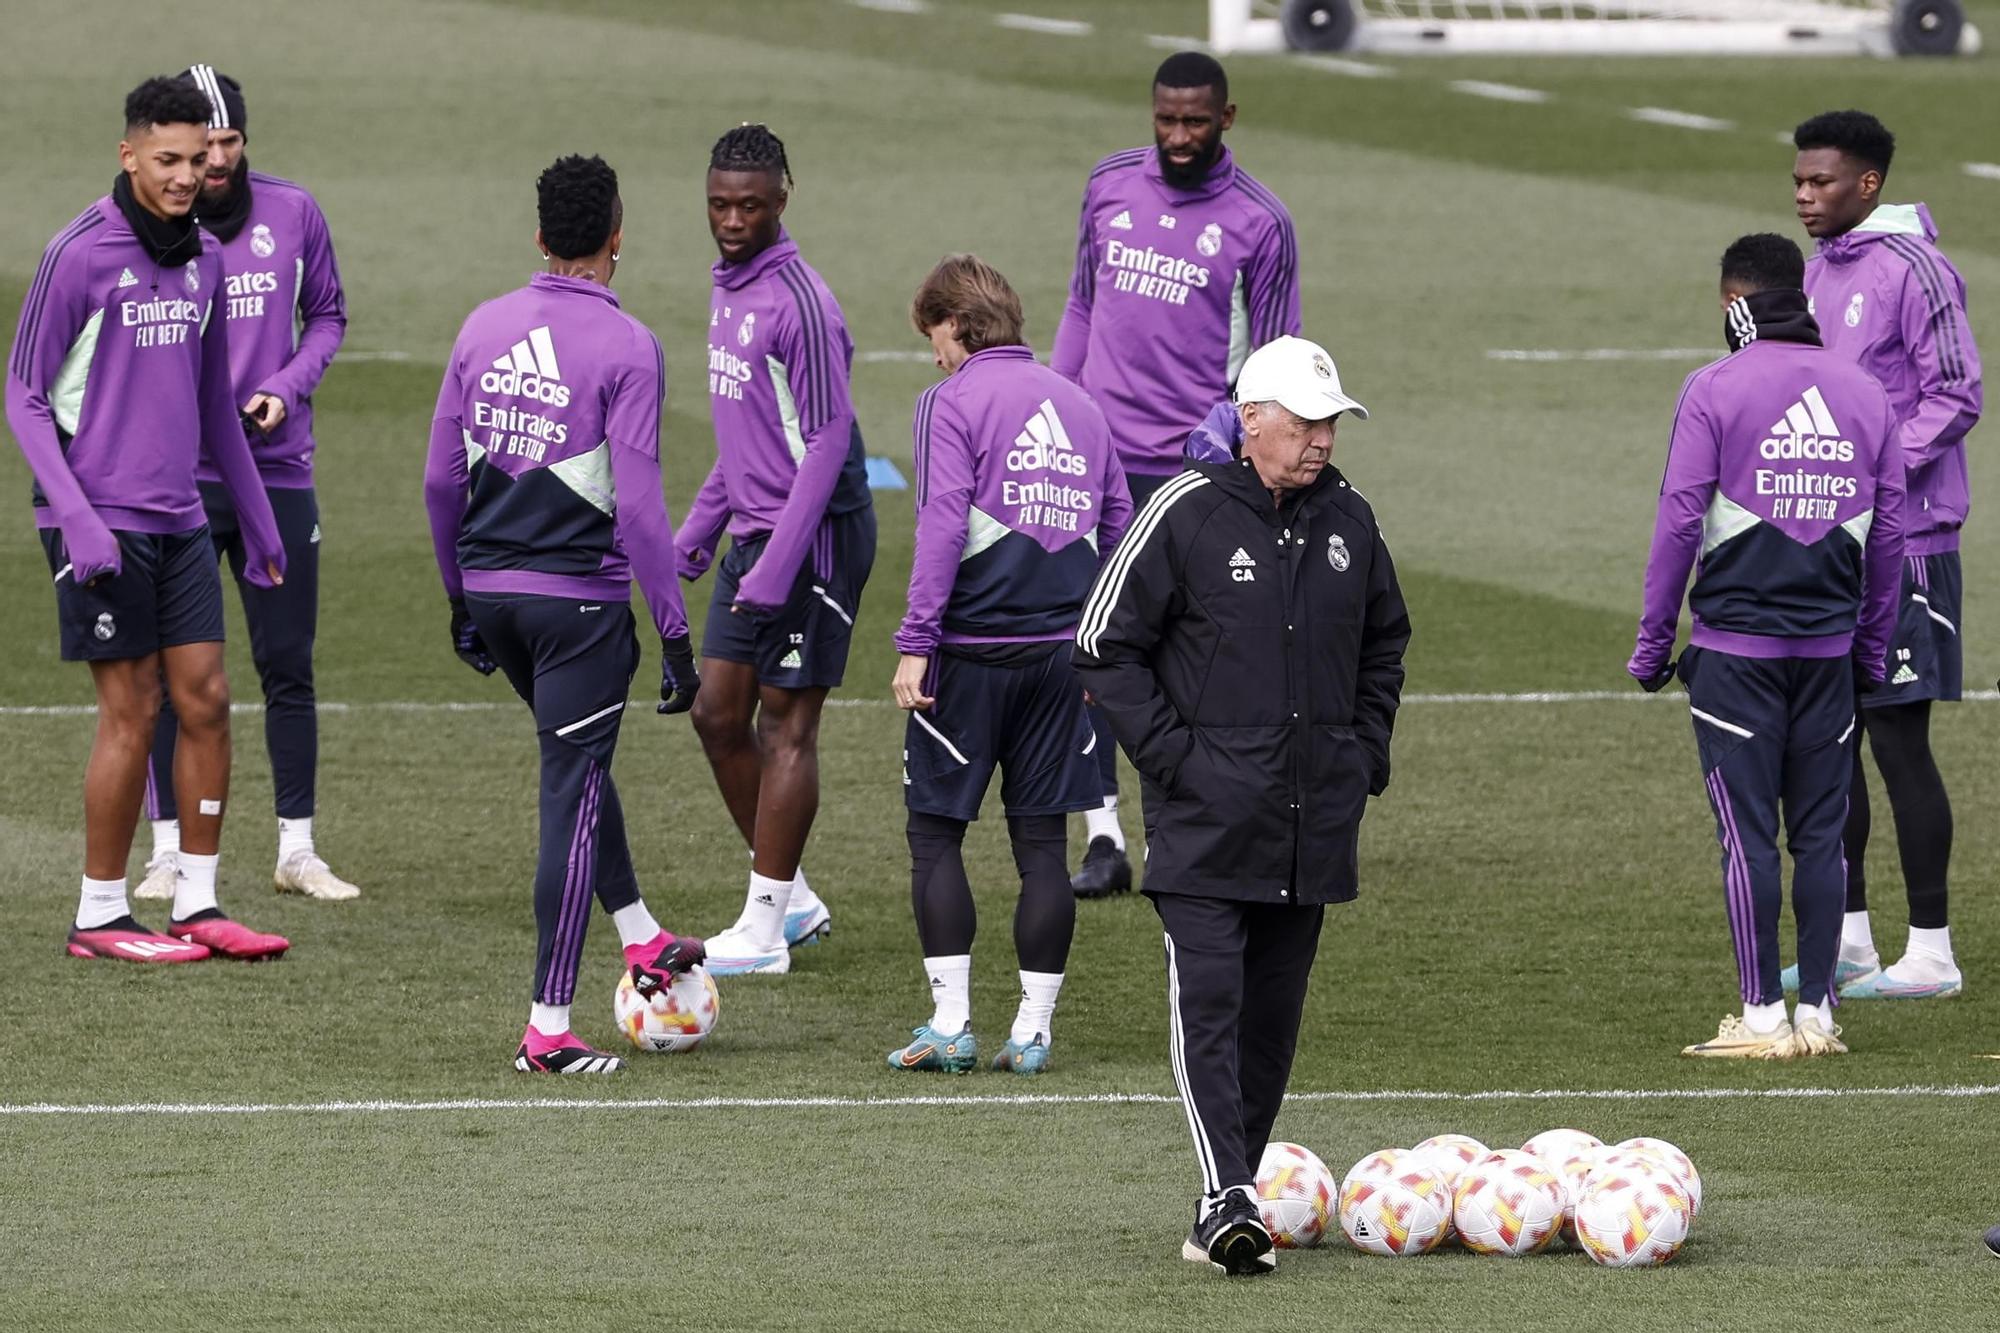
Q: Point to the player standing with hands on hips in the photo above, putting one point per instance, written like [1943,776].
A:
[1888,300]
[1019,500]
[1246,643]
[790,484]
[1184,262]
[543,486]
[286,320]
[1784,493]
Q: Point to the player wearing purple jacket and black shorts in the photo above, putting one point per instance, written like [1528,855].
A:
[543,487]
[1784,494]
[790,484]
[1887,299]
[1020,498]
[117,389]
[1184,263]
[286,319]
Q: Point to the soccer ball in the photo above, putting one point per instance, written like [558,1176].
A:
[1404,1212]
[1633,1214]
[675,1019]
[1295,1195]
[1449,1155]
[1372,1167]
[1678,1164]
[1570,1153]
[1509,1202]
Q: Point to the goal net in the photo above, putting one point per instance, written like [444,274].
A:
[1594,27]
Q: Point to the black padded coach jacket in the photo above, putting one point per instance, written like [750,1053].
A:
[1250,659]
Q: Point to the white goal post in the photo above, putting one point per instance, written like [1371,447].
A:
[1595,27]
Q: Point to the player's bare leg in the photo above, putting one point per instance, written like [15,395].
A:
[724,716]
[788,796]
[199,689]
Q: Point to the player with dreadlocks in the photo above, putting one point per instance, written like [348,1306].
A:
[790,486]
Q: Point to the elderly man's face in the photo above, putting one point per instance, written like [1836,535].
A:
[1287,451]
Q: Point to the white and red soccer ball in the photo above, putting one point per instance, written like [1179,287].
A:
[1508,1203]
[1570,1153]
[1633,1212]
[1400,1206]
[1295,1195]
[674,1019]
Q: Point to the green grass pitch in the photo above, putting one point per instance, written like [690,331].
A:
[1540,904]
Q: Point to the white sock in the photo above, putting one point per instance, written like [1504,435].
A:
[803,898]
[1856,939]
[102,902]
[1038,1006]
[166,837]
[294,835]
[635,925]
[1103,823]
[951,992]
[551,1020]
[1933,944]
[194,891]
[764,910]
[1764,1017]
[1823,1011]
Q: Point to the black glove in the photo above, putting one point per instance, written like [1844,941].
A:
[679,682]
[1660,679]
[466,642]
[1862,683]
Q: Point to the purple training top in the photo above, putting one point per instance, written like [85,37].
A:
[1887,299]
[286,315]
[1019,497]
[118,388]
[788,451]
[1784,477]
[1173,289]
[544,470]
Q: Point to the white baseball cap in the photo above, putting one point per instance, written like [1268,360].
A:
[1299,376]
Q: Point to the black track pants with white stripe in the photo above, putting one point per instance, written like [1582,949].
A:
[1236,985]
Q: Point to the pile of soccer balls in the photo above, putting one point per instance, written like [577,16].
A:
[675,1019]
[1629,1205]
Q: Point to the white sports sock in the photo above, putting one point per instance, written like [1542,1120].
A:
[951,992]
[1103,823]
[1856,939]
[764,907]
[1038,1006]
[635,925]
[1823,1011]
[294,835]
[1933,944]
[551,1020]
[166,837]
[194,891]
[803,898]
[102,902]
[1764,1017]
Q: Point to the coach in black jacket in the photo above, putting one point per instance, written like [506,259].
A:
[1246,642]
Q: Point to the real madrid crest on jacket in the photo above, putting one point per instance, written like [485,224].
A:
[1269,638]
[286,314]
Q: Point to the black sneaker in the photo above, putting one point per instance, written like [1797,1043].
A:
[652,975]
[1229,1234]
[1993,1242]
[1105,871]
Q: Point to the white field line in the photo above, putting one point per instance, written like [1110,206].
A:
[1358,69]
[1635,695]
[1602,354]
[1500,92]
[892,6]
[364,354]
[1986,171]
[872,358]
[1783,137]
[1036,23]
[1680,120]
[374,1107]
